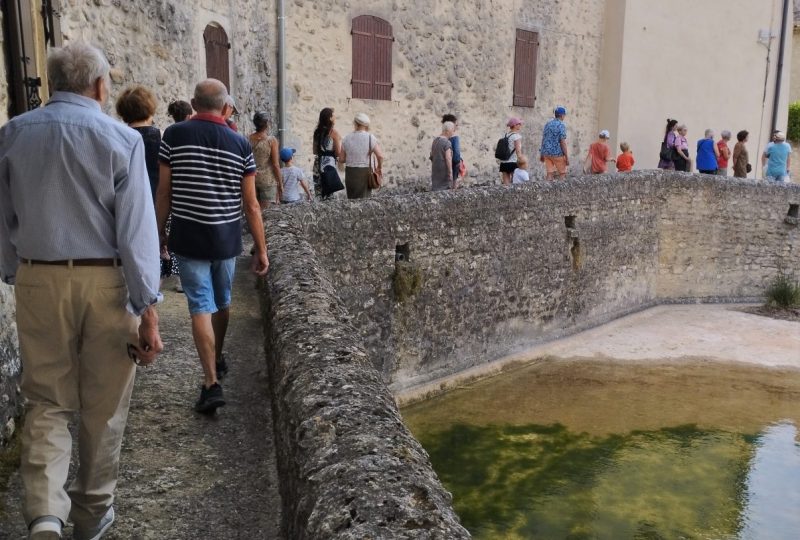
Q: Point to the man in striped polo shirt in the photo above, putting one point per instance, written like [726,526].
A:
[207,171]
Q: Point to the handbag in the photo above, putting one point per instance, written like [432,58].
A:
[330,182]
[666,152]
[462,169]
[375,180]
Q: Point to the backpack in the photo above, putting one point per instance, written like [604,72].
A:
[504,150]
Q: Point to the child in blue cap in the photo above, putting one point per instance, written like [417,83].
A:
[293,178]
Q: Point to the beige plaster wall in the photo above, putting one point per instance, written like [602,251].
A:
[447,57]
[707,69]
[160,45]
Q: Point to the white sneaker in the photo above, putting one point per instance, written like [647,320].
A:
[45,528]
[98,531]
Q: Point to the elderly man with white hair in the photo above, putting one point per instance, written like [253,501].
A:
[78,238]
[777,159]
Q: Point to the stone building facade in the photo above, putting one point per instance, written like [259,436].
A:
[458,58]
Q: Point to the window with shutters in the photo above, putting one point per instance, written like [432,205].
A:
[217,50]
[372,58]
[526,51]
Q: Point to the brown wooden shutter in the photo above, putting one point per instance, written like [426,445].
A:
[525,55]
[372,58]
[363,43]
[217,47]
[383,60]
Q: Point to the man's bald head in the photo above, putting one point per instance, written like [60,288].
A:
[209,96]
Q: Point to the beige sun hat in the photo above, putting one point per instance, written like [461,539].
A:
[362,119]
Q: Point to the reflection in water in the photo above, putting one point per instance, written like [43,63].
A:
[773,494]
[737,477]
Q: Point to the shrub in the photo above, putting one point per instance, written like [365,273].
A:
[784,292]
[793,129]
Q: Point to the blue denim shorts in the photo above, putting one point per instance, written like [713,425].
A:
[206,284]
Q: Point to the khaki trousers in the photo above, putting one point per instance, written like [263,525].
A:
[73,334]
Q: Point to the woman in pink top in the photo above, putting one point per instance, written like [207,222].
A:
[683,162]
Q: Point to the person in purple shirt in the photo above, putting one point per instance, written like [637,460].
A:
[78,238]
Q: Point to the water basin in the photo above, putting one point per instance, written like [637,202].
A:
[587,449]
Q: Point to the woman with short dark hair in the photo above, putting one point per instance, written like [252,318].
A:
[179,110]
[740,157]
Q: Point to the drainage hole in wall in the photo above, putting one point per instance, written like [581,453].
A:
[569,221]
[402,252]
[794,210]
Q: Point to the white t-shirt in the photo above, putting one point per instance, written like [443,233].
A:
[292,176]
[520,176]
[356,148]
[512,138]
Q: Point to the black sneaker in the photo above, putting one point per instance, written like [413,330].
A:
[222,367]
[210,399]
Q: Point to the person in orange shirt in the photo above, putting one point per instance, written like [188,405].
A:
[599,155]
[625,160]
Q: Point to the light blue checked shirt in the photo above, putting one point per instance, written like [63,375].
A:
[74,185]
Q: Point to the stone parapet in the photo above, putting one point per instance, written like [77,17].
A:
[437,283]
[348,466]
[10,403]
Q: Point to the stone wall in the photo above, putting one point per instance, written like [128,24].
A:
[160,45]
[447,57]
[10,405]
[348,466]
[3,76]
[492,271]
[724,239]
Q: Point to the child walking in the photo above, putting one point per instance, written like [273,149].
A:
[625,160]
[293,178]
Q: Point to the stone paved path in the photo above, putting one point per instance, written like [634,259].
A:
[183,475]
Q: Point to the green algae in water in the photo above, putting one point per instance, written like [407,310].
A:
[550,481]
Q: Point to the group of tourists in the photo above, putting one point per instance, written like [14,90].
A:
[448,168]
[715,157]
[92,215]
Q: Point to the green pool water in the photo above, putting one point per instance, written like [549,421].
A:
[589,449]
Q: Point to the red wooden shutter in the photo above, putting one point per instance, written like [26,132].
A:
[525,54]
[372,58]
[382,66]
[217,46]
[363,43]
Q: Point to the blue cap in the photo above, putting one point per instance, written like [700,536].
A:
[287,154]
[560,111]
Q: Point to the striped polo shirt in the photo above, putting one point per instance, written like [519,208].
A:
[208,162]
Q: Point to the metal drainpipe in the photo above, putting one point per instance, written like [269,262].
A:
[281,73]
[779,75]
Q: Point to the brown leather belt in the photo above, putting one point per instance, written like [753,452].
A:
[77,262]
